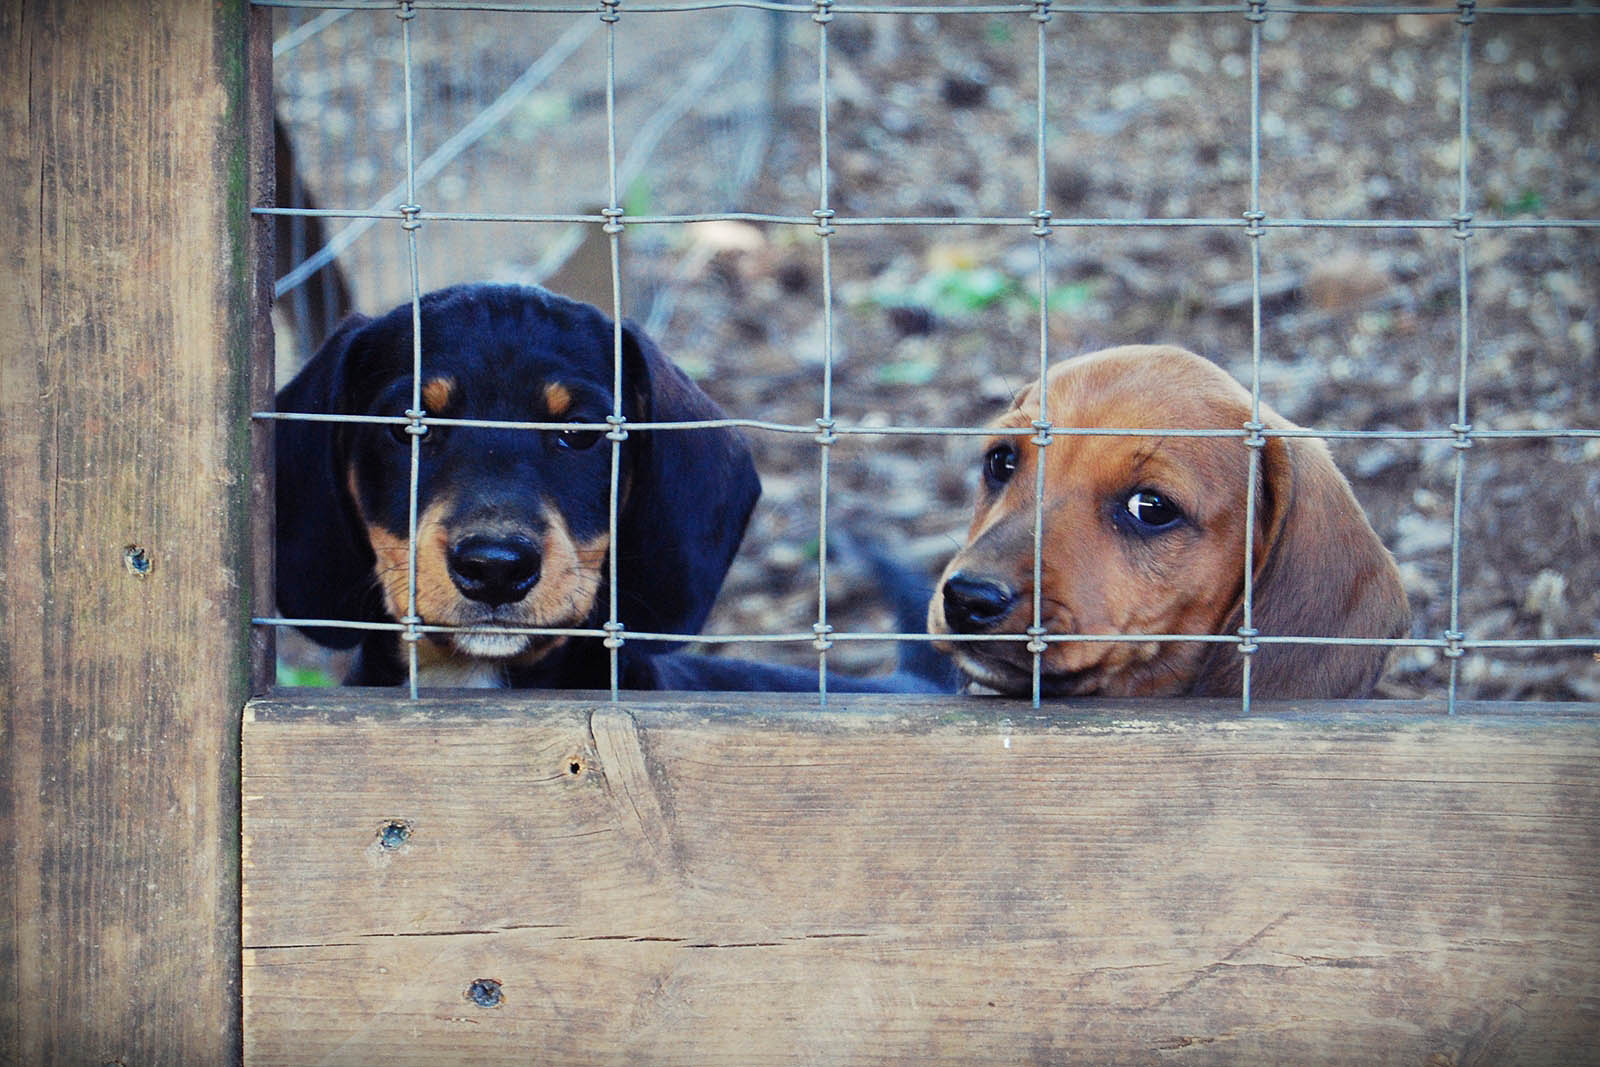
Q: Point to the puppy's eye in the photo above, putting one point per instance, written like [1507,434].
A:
[1152,512]
[577,440]
[999,464]
[401,432]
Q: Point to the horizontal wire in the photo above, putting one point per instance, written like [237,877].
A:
[810,429]
[542,8]
[1219,222]
[809,636]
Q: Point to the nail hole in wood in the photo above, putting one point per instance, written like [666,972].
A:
[485,992]
[393,834]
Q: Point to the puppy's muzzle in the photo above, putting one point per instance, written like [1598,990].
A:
[974,605]
[494,570]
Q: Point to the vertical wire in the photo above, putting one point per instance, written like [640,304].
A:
[1042,437]
[822,15]
[409,210]
[1461,428]
[618,432]
[1254,442]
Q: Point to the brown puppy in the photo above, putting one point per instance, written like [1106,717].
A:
[1145,535]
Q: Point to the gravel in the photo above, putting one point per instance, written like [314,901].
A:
[933,115]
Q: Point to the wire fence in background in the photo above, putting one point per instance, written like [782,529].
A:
[480,121]
[756,29]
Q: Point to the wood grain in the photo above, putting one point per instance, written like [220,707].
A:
[124,329]
[902,882]
[261,267]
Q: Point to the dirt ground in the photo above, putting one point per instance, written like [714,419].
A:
[1148,117]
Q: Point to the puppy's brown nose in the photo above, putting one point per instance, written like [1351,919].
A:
[972,605]
[494,570]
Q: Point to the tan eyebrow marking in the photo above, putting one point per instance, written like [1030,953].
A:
[557,399]
[436,394]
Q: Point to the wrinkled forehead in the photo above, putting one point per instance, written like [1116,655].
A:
[1138,387]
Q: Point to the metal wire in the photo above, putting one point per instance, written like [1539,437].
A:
[825,424]
[1043,431]
[379,213]
[1242,8]
[464,138]
[1462,427]
[824,222]
[846,430]
[618,432]
[305,32]
[1254,441]
[845,636]
[415,428]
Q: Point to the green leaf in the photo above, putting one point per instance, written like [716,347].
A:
[965,292]
[637,200]
[303,676]
[908,372]
[1530,202]
[1074,297]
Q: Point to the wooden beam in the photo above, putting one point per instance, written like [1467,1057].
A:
[124,457]
[517,878]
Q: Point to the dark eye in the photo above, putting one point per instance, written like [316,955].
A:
[1152,512]
[577,440]
[999,464]
[401,432]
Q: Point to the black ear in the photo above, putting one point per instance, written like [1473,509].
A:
[324,561]
[690,495]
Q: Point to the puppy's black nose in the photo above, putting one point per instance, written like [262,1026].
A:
[972,605]
[494,570]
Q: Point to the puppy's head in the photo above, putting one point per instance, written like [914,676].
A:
[512,525]
[1146,535]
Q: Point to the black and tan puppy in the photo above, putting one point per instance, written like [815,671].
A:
[513,528]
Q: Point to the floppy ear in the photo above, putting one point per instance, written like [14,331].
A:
[324,561]
[689,497]
[1320,571]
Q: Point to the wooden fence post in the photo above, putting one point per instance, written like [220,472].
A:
[125,336]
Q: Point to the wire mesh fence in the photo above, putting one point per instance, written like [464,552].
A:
[867,227]
[492,89]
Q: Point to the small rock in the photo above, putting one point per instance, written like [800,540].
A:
[1546,601]
[1417,536]
[964,90]
[1345,282]
[912,321]
[1375,461]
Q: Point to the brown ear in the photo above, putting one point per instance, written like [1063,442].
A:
[1320,571]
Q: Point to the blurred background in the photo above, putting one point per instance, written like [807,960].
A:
[934,116]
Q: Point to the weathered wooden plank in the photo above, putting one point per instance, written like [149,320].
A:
[894,881]
[124,328]
[262,271]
